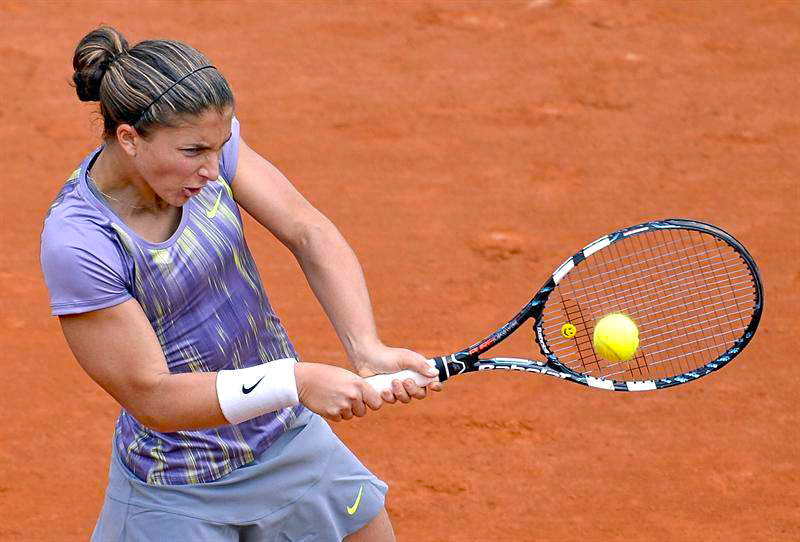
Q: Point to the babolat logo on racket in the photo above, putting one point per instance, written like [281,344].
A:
[523,365]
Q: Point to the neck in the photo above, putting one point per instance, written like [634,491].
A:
[118,180]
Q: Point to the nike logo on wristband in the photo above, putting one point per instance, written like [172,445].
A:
[251,388]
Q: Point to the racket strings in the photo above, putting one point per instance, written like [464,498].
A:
[639,311]
[637,264]
[650,343]
[690,294]
[709,269]
[653,353]
[665,360]
[635,255]
[701,279]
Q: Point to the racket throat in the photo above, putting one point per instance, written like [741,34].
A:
[449,366]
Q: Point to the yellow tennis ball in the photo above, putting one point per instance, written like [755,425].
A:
[615,337]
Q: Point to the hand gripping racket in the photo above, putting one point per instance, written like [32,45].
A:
[691,288]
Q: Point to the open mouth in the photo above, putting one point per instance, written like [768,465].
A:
[189,192]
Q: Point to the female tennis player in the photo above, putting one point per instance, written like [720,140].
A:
[220,436]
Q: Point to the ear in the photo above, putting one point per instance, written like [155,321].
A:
[128,139]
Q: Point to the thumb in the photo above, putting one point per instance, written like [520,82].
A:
[418,363]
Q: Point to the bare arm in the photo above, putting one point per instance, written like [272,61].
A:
[329,264]
[118,348]
[331,267]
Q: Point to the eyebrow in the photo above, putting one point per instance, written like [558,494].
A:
[202,146]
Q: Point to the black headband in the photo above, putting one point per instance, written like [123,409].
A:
[173,85]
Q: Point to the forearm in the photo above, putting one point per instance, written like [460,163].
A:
[231,396]
[181,401]
[200,400]
[337,280]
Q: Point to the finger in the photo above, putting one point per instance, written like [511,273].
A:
[413,389]
[400,391]
[371,397]
[359,408]
[333,417]
[436,386]
[346,414]
[388,397]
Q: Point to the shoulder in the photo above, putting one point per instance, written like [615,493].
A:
[82,257]
[229,158]
[72,220]
[79,243]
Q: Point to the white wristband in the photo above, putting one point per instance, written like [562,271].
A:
[246,393]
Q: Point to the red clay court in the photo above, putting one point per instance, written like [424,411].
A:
[464,149]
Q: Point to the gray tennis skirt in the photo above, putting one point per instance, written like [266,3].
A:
[307,486]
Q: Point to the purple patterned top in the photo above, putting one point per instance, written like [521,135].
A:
[202,293]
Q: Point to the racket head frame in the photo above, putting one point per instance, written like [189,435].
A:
[468,360]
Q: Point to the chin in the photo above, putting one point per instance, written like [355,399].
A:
[174,200]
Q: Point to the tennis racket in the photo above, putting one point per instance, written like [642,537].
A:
[691,288]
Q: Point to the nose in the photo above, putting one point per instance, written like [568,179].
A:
[210,168]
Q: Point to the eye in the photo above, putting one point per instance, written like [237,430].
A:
[191,152]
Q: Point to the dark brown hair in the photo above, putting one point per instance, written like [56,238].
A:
[136,85]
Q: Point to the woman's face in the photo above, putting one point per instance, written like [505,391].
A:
[177,162]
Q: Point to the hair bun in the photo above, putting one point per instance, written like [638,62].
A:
[93,56]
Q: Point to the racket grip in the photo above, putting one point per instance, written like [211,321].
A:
[384,382]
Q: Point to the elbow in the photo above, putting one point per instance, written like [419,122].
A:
[163,423]
[154,418]
[310,238]
[149,408]
[155,422]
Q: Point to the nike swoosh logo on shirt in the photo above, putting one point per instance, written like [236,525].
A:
[211,213]
[351,510]
[251,388]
